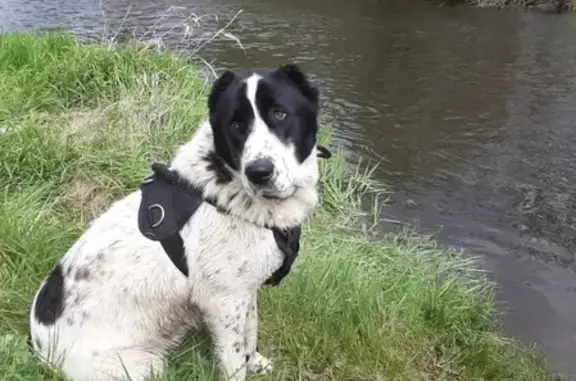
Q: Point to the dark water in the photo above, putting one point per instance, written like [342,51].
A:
[472,112]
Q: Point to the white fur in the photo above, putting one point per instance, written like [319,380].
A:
[127,305]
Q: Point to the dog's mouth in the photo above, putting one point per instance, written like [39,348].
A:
[271,196]
[275,195]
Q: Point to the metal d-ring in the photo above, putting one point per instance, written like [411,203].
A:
[162,214]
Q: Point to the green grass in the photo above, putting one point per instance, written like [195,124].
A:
[83,124]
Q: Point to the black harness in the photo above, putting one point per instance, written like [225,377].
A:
[169,201]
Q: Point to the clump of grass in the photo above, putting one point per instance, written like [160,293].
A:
[58,73]
[356,307]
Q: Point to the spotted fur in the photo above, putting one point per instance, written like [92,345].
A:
[115,305]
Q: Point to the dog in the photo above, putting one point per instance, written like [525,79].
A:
[192,247]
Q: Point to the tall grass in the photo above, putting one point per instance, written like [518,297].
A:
[83,122]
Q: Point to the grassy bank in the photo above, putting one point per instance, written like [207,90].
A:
[83,124]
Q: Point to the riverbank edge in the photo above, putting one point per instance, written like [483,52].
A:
[546,6]
[82,124]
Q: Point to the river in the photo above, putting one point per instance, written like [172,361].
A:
[471,112]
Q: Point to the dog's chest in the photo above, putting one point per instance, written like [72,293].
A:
[228,251]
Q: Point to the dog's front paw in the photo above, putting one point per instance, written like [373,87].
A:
[259,364]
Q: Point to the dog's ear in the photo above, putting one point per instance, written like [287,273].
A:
[293,73]
[219,86]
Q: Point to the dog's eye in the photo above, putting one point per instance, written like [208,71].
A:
[279,115]
[236,126]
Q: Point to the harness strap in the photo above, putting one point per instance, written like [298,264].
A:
[174,247]
[289,243]
[168,202]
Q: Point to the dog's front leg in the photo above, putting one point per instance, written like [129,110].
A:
[226,319]
[256,363]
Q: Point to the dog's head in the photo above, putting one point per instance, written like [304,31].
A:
[265,126]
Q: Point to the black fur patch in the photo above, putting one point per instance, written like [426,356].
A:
[82,274]
[287,89]
[50,300]
[231,116]
[217,165]
[297,77]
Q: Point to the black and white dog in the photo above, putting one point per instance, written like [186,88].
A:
[227,211]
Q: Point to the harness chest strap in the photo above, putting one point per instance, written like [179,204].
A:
[168,202]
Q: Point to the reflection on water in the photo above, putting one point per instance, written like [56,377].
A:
[471,112]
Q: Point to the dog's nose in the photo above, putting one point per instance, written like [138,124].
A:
[260,171]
